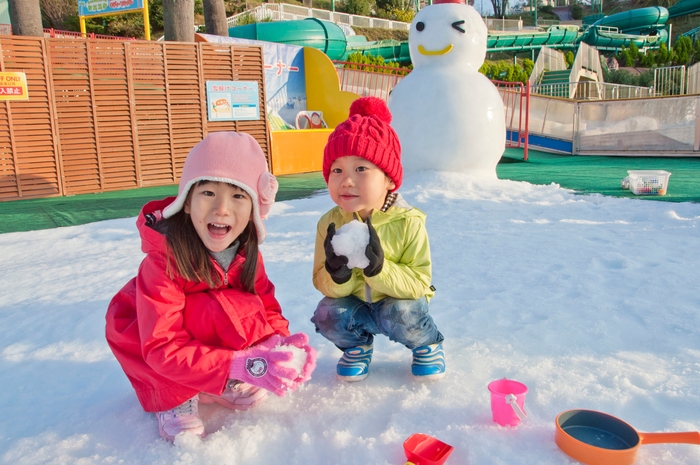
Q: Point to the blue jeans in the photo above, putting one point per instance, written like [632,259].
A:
[350,322]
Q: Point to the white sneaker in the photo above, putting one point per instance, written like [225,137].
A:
[237,396]
[182,419]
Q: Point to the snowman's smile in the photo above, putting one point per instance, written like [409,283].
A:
[423,51]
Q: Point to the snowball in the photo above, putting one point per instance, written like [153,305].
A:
[351,241]
[298,357]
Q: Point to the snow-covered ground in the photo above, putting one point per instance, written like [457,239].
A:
[592,302]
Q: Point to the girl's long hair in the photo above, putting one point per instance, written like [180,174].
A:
[191,258]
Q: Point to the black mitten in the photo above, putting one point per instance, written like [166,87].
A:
[336,265]
[373,252]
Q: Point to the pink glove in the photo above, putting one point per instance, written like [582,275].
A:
[301,341]
[259,366]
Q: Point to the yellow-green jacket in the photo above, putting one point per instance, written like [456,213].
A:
[406,273]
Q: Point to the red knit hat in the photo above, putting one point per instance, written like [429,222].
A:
[367,134]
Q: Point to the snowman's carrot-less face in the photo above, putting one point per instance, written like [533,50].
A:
[448,34]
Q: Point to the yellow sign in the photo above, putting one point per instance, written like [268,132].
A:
[13,86]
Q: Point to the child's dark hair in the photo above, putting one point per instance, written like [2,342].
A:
[191,258]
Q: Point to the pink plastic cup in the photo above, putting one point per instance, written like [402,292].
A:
[507,401]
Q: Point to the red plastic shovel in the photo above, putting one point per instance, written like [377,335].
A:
[422,449]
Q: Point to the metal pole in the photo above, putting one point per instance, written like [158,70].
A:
[535,13]
[146,21]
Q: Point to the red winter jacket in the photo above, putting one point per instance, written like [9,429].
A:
[175,338]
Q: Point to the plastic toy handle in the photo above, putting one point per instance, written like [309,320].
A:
[511,399]
[409,463]
[691,437]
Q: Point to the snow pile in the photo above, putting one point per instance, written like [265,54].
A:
[591,302]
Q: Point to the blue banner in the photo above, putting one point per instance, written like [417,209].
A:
[107,7]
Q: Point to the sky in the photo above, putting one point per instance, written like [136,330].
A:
[590,301]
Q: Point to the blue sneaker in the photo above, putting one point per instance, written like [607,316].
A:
[428,362]
[354,364]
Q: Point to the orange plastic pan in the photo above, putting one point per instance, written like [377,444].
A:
[422,449]
[596,438]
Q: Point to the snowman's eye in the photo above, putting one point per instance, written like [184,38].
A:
[458,25]
[420,25]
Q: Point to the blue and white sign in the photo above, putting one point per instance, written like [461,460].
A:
[233,101]
[107,7]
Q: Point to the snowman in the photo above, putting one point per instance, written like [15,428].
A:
[448,116]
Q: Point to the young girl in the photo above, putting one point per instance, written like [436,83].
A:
[200,322]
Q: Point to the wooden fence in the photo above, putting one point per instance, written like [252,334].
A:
[106,115]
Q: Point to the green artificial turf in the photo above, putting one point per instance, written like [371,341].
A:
[584,174]
[602,175]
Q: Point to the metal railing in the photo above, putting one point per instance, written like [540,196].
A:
[501,24]
[286,12]
[516,103]
[6,30]
[694,34]
[548,22]
[369,80]
[57,33]
[548,59]
[586,63]
[592,90]
[670,80]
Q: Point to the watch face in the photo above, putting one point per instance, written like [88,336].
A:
[257,367]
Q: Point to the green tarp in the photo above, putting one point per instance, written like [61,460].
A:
[584,174]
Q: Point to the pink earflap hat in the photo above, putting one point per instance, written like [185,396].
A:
[234,158]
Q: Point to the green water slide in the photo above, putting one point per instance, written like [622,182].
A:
[325,36]
[611,40]
[635,19]
[645,27]
[684,7]
[330,39]
[554,37]
[390,50]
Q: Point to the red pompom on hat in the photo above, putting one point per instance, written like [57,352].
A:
[367,134]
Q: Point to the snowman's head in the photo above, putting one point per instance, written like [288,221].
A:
[446,34]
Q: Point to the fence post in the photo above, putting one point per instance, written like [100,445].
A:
[526,142]
[697,125]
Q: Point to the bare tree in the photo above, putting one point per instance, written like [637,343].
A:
[215,17]
[55,12]
[499,8]
[178,20]
[26,18]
